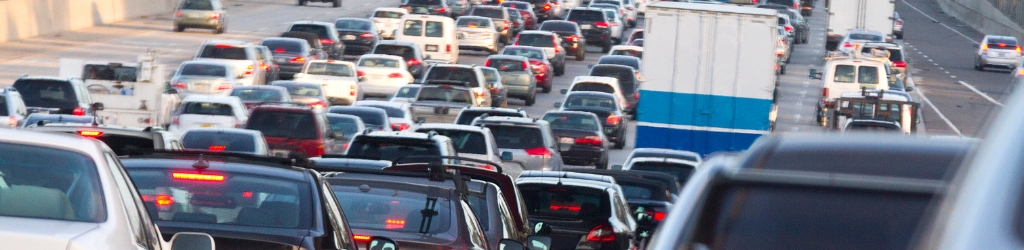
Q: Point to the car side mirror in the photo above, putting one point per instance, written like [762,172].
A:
[382,243]
[191,241]
[538,242]
[565,91]
[908,89]
[97,106]
[298,75]
[558,105]
[616,167]
[509,244]
[541,229]
[506,156]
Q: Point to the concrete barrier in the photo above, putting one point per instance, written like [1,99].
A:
[21,19]
[983,16]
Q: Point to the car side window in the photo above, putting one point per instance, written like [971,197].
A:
[507,223]
[131,202]
[336,216]
[412,28]
[476,233]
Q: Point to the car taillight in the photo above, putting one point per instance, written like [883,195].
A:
[394,75]
[79,111]
[224,86]
[360,73]
[361,237]
[495,90]
[636,96]
[602,233]
[478,95]
[447,48]
[899,64]
[90,133]
[541,151]
[622,11]
[412,62]
[214,16]
[318,104]
[326,41]
[613,119]
[352,90]
[399,126]
[574,38]
[298,59]
[796,5]
[847,45]
[525,66]
[601,24]
[248,70]
[175,120]
[12,121]
[589,140]
[789,28]
[319,150]
[1017,49]
[178,13]
[899,22]
[366,35]
[487,63]
[824,92]
[441,9]
[265,67]
[547,6]
[180,85]
[506,25]
[659,216]
[1021,72]
[216,148]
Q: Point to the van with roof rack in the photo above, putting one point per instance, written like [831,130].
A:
[847,73]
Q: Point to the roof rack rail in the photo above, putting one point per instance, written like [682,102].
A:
[447,82]
[299,104]
[398,161]
[567,175]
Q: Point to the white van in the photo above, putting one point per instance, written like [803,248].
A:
[434,34]
[848,75]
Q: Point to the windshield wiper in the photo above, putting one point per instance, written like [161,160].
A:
[428,215]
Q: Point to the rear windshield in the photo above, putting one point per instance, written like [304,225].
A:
[125,144]
[585,15]
[3,106]
[353,24]
[49,183]
[536,40]
[589,101]
[635,64]
[329,69]
[224,52]
[994,43]
[558,26]
[206,108]
[407,92]
[491,76]
[643,191]
[566,203]
[387,14]
[219,141]
[405,52]
[508,65]
[573,121]
[227,199]
[109,72]
[379,63]
[280,46]
[467,116]
[627,79]
[455,74]
[442,94]
[389,150]
[197,5]
[588,86]
[681,171]
[265,95]
[198,69]
[467,142]
[423,2]
[345,125]
[782,2]
[488,12]
[784,217]
[868,37]
[295,125]
[319,30]
[474,22]
[524,52]
[47,93]
[369,118]
[514,137]
[396,209]
[391,111]
[302,90]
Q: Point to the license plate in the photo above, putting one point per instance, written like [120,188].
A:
[206,125]
[280,60]
[279,153]
[349,37]
[585,26]
[376,77]
[1002,55]
[197,15]
[431,48]
[566,140]
[201,88]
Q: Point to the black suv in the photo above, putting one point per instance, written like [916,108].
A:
[326,32]
[411,53]
[243,201]
[573,40]
[629,85]
[861,191]
[594,25]
[56,95]
[358,34]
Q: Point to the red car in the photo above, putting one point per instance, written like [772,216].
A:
[292,130]
[525,11]
[539,64]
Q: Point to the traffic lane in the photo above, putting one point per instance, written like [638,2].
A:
[798,94]
[941,53]
[174,48]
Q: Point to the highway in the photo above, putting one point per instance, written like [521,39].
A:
[956,100]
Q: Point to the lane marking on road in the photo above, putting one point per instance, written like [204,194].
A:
[940,23]
[936,64]
[989,98]
[947,72]
[954,77]
[925,56]
[920,92]
[930,60]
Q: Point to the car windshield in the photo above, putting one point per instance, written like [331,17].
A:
[517,137]
[455,74]
[488,12]
[219,141]
[50,183]
[508,65]
[109,72]
[566,202]
[345,125]
[390,149]
[284,46]
[867,37]
[525,52]
[354,24]
[573,121]
[47,93]
[197,5]
[223,51]
[681,171]
[474,22]
[558,27]
[467,116]
[369,118]
[405,52]
[392,207]
[379,63]
[198,69]
[319,30]
[329,69]
[442,94]
[265,95]
[589,102]
[593,86]
[232,198]
[302,90]
[783,217]
[387,14]
[536,40]
[586,16]
[466,142]
[295,125]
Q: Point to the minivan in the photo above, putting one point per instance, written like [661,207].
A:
[434,34]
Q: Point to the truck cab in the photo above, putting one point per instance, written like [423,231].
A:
[134,94]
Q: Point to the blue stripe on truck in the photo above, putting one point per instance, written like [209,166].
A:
[699,141]
[688,109]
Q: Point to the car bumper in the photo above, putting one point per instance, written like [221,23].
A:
[356,49]
[597,37]
[482,43]
[290,69]
[519,91]
[582,155]
[197,22]
[999,61]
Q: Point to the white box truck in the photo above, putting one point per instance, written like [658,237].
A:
[134,94]
[712,86]
[846,15]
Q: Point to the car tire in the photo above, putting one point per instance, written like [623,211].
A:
[545,89]
[580,55]
[560,70]
[782,70]
[336,3]
[532,99]
[601,165]
[302,2]
[899,36]
[178,28]
[978,67]
[220,30]
[607,47]
[620,144]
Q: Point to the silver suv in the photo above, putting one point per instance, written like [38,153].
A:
[13,107]
[997,51]
[524,141]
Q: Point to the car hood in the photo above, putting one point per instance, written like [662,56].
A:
[41,234]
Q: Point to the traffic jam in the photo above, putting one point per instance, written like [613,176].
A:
[368,133]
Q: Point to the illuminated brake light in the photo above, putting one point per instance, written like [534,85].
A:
[568,208]
[326,41]
[601,233]
[279,50]
[547,6]
[399,126]
[78,111]
[216,148]
[636,96]
[224,86]
[395,75]
[197,177]
[1017,49]
[447,48]
[589,140]
[298,59]
[541,151]
[361,237]
[178,13]
[164,200]
[248,70]
[506,25]
[601,24]
[789,28]
[412,62]
[90,133]
[223,46]
[246,195]
[180,85]
[613,119]
[847,45]
[392,224]
[659,216]
[214,16]
[366,35]
[488,167]
[899,64]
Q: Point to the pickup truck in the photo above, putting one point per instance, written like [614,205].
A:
[441,102]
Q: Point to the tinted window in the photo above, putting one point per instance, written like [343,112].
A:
[387,14]
[895,55]
[780,217]
[868,37]
[46,93]
[227,199]
[196,69]
[109,72]
[3,106]
[281,46]
[588,86]
[627,79]
[219,141]
[197,5]
[412,28]
[435,29]
[423,2]
[508,65]
[351,24]
[995,43]
[391,111]
[206,108]
[536,40]
[385,207]
[566,203]
[782,21]
[628,61]
[224,52]
[681,171]
[379,63]
[49,183]
[467,116]
[405,52]
[524,52]
[465,141]
[297,125]
[385,149]
[455,74]
[867,74]
[488,12]
[513,137]
[444,95]
[343,124]
[573,121]
[266,95]
[319,30]
[586,16]
[369,118]
[558,26]
[329,69]
[844,73]
[474,22]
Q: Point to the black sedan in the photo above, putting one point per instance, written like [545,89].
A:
[580,139]
[605,107]
[290,54]
[358,34]
[573,40]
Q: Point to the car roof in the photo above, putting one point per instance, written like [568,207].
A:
[569,112]
[211,98]
[427,17]
[865,32]
[474,17]
[398,134]
[284,39]
[63,141]
[600,79]
[268,87]
[226,130]
[324,164]
[381,56]
[537,32]
[881,45]
[449,126]
[563,177]
[509,110]
[452,65]
[508,57]
[115,129]
[665,153]
[331,61]
[392,9]
[347,116]
[227,42]
[890,95]
[612,67]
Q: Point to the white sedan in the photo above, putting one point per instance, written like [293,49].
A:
[338,79]
[382,75]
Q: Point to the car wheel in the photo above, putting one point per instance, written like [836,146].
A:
[607,47]
[782,70]
[530,100]
[178,28]
[601,165]
[336,3]
[977,66]
[621,143]
[560,70]
[899,36]
[545,89]
[580,55]
[302,2]
[220,30]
